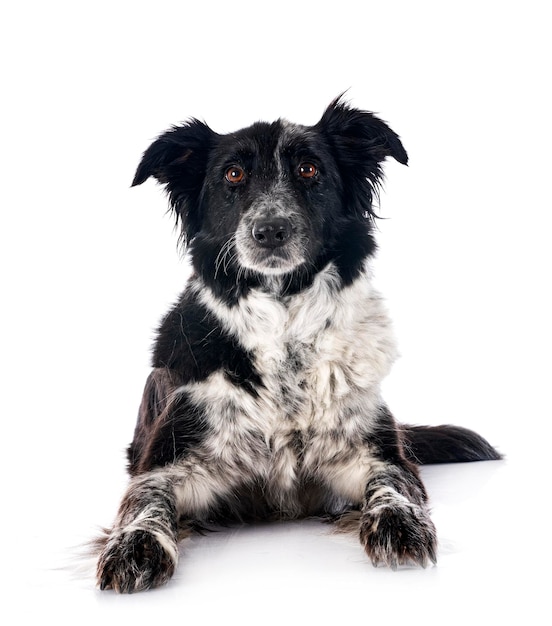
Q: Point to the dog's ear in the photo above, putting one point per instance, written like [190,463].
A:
[174,151]
[360,142]
[178,159]
[360,134]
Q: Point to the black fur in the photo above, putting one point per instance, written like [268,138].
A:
[426,445]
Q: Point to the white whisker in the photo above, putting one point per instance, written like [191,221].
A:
[224,256]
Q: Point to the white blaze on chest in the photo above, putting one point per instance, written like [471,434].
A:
[319,352]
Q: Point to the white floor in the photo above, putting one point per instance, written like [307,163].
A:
[493,565]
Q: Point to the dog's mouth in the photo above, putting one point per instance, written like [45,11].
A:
[278,261]
[273,262]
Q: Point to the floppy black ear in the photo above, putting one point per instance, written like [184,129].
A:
[185,145]
[361,133]
[178,159]
[360,142]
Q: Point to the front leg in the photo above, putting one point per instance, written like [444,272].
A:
[141,549]
[395,527]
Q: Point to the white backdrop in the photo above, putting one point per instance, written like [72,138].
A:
[89,266]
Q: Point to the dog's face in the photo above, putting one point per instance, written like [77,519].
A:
[278,198]
[270,196]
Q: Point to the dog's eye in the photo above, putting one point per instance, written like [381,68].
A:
[307,170]
[235,174]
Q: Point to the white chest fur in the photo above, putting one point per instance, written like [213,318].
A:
[320,352]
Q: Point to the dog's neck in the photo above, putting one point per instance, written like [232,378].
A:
[270,303]
[232,286]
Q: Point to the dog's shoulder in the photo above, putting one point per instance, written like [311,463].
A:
[193,341]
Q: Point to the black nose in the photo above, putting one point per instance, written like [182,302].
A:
[272,233]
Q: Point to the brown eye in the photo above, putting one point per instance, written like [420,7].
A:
[235,174]
[307,170]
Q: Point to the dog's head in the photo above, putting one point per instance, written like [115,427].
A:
[275,198]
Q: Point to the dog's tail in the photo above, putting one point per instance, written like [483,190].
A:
[425,445]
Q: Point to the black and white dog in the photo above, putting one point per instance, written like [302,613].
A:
[264,400]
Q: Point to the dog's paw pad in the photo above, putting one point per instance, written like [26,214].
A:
[399,535]
[135,561]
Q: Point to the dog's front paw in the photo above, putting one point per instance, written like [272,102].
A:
[399,534]
[134,561]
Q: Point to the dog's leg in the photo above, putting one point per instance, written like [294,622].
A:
[395,527]
[141,549]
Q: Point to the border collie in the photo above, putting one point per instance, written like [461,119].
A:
[264,399]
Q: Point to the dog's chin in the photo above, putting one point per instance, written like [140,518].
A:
[270,263]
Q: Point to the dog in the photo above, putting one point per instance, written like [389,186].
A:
[264,398]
